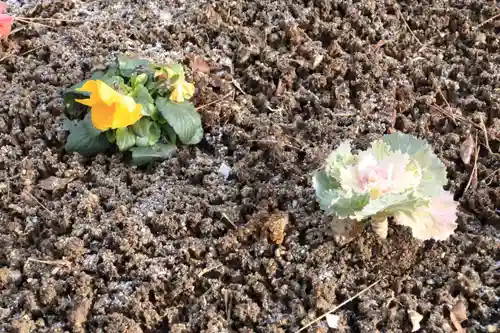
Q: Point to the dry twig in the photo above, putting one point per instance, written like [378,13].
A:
[488,20]
[408,26]
[208,269]
[473,175]
[216,101]
[339,306]
[485,132]
[52,262]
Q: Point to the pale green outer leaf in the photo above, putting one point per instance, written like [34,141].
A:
[159,151]
[432,169]
[380,149]
[341,203]
[321,182]
[183,118]
[392,204]
[125,138]
[338,160]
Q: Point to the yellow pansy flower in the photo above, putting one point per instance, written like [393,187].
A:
[109,108]
[181,91]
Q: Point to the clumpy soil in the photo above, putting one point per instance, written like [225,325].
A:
[175,247]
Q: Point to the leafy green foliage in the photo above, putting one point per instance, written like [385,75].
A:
[85,139]
[183,118]
[125,138]
[159,151]
[163,122]
[147,132]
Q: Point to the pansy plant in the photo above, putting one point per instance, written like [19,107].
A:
[398,176]
[136,106]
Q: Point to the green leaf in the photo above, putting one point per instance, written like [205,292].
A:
[183,118]
[160,151]
[392,204]
[130,66]
[111,136]
[138,80]
[125,138]
[432,169]
[85,139]
[147,131]
[341,203]
[142,96]
[169,132]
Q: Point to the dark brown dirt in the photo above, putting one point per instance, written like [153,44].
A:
[175,247]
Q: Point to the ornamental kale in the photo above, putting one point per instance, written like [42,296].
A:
[397,176]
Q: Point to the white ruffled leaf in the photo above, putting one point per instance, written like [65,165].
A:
[435,221]
[433,171]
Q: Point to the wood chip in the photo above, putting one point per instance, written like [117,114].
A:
[276,224]
[466,149]
[458,315]
[199,65]
[54,183]
[415,319]
[380,43]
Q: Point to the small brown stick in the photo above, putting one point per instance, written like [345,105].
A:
[48,19]
[237,85]
[52,262]
[339,306]
[216,101]
[488,20]
[485,132]
[490,176]
[448,105]
[473,174]
[32,22]
[208,269]
[408,26]
[41,205]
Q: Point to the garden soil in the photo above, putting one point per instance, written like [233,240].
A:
[97,245]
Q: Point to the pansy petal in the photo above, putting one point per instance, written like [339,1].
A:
[176,95]
[128,112]
[89,86]
[102,116]
[107,94]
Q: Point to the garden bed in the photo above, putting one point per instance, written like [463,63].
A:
[178,247]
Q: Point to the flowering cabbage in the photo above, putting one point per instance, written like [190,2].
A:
[397,176]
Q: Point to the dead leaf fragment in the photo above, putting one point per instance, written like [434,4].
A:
[332,320]
[345,230]
[458,315]
[466,149]
[380,43]
[199,65]
[276,224]
[415,319]
[318,58]
[54,183]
